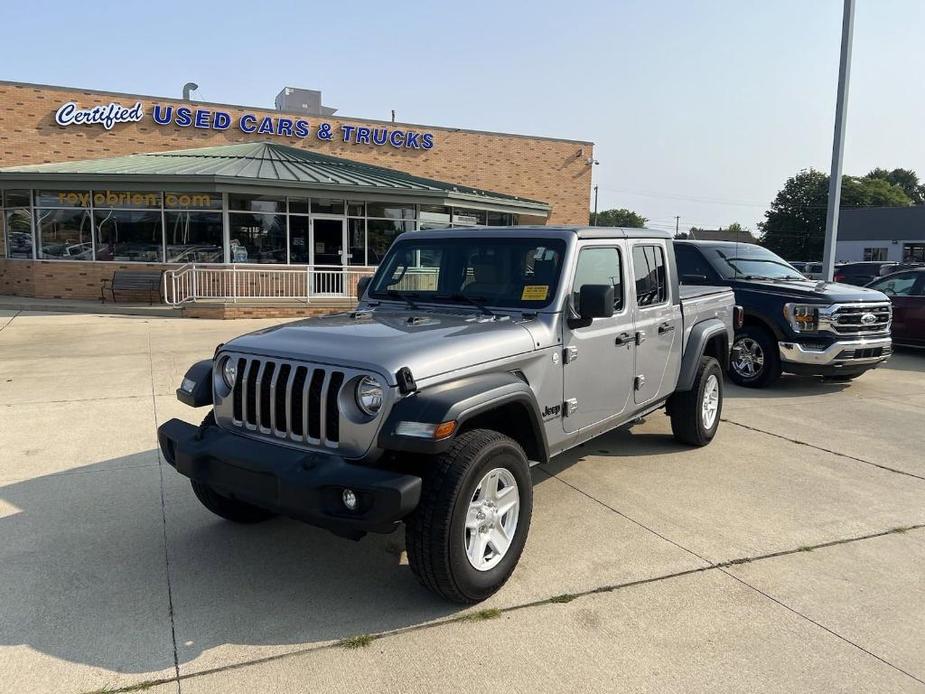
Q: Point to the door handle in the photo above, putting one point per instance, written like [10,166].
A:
[623,338]
[665,328]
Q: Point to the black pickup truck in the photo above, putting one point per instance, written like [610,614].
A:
[792,324]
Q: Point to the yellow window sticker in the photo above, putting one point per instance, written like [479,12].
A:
[535,292]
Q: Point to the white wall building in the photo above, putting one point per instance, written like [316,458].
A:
[881,233]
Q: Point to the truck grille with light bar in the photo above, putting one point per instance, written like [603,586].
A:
[287,400]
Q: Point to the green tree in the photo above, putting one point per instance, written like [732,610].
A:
[794,226]
[618,218]
[906,179]
[737,228]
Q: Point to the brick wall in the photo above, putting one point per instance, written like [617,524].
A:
[55,279]
[553,171]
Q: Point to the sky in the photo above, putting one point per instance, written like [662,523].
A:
[699,108]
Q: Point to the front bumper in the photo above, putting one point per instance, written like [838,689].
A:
[304,485]
[838,357]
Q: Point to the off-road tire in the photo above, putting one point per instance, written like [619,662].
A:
[435,533]
[770,370]
[685,408]
[227,508]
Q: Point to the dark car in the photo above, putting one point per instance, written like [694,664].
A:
[792,324]
[860,274]
[907,293]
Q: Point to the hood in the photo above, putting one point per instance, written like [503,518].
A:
[815,291]
[384,341]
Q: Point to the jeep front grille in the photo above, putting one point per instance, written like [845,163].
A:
[860,319]
[288,400]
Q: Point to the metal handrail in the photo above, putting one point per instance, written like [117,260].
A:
[235,282]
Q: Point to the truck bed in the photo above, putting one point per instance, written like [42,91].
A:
[693,291]
[699,303]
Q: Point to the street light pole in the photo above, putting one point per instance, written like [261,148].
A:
[838,144]
[595,207]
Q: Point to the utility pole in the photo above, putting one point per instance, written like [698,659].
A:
[838,144]
[595,207]
[677,225]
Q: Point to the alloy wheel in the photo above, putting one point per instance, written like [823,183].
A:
[747,358]
[710,403]
[491,519]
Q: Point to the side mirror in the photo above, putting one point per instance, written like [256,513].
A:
[362,286]
[595,301]
[692,277]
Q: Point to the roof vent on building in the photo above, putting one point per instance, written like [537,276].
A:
[307,101]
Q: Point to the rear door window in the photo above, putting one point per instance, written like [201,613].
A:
[649,274]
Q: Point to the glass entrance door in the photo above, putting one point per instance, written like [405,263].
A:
[329,241]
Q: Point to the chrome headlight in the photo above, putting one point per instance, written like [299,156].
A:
[229,372]
[369,395]
[803,318]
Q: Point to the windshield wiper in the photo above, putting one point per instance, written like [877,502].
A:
[477,301]
[402,296]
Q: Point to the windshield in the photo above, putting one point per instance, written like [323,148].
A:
[748,261]
[500,272]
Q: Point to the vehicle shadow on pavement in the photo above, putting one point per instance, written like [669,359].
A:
[788,386]
[906,359]
[82,567]
[619,443]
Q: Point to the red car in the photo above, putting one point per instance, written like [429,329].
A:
[906,290]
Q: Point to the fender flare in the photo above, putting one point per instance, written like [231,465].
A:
[697,341]
[196,388]
[461,400]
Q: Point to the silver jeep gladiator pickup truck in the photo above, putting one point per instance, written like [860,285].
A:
[472,355]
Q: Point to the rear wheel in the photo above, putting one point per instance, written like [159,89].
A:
[754,361]
[228,508]
[470,527]
[695,413]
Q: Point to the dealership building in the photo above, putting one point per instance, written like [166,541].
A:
[236,204]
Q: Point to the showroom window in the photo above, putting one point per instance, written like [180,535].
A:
[16,218]
[129,231]
[875,253]
[65,231]
[380,233]
[187,227]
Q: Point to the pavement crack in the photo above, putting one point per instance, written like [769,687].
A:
[160,468]
[629,518]
[9,322]
[825,450]
[819,624]
[558,600]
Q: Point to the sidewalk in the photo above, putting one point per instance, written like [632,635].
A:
[27,303]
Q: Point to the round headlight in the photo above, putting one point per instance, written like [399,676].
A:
[369,395]
[229,372]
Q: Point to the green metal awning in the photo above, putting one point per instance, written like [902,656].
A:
[261,165]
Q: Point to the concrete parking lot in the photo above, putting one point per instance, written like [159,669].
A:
[789,555]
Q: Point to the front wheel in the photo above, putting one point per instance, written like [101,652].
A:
[470,527]
[695,413]
[754,361]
